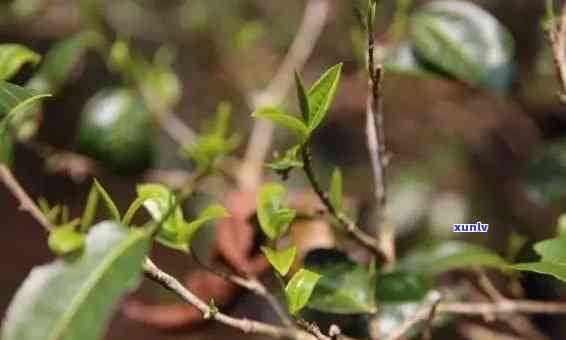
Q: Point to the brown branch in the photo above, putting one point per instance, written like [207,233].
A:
[245,325]
[314,19]
[422,314]
[351,227]
[252,284]
[375,134]
[556,36]
[26,203]
[503,307]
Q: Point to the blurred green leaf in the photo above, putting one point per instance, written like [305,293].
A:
[132,209]
[403,60]
[402,286]
[552,250]
[335,191]
[158,200]
[214,142]
[15,99]
[465,41]
[281,260]
[321,96]
[248,35]
[13,57]
[557,270]
[299,289]
[70,300]
[66,239]
[61,60]
[110,205]
[450,255]
[274,217]
[280,118]
[345,286]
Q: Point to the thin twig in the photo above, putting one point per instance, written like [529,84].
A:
[245,325]
[252,284]
[314,19]
[313,329]
[375,134]
[504,307]
[177,129]
[352,228]
[422,314]
[556,36]
[26,203]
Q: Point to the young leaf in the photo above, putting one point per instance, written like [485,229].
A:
[336,189]
[281,260]
[299,289]
[450,255]
[303,97]
[274,217]
[466,42]
[402,286]
[90,208]
[284,164]
[13,57]
[158,200]
[278,117]
[345,286]
[110,205]
[132,209]
[66,239]
[15,99]
[321,96]
[553,259]
[70,300]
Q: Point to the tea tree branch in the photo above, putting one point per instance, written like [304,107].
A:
[351,227]
[247,326]
[313,21]
[252,284]
[26,203]
[376,144]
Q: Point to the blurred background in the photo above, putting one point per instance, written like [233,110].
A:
[459,154]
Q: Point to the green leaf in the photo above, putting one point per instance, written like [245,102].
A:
[66,239]
[13,57]
[302,97]
[336,189]
[553,259]
[274,217]
[15,99]
[110,205]
[158,200]
[557,270]
[321,96]
[450,255]
[281,260]
[213,212]
[62,59]
[284,164]
[214,142]
[132,209]
[466,42]
[287,121]
[345,287]
[70,300]
[552,250]
[403,60]
[299,289]
[90,208]
[402,286]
